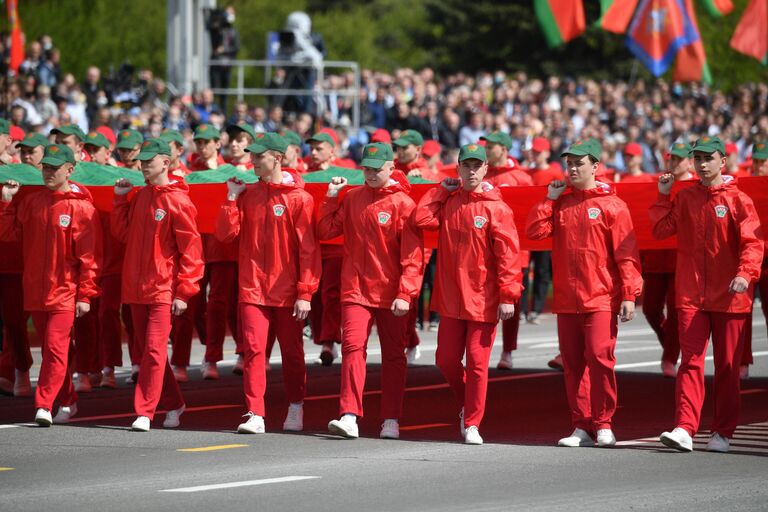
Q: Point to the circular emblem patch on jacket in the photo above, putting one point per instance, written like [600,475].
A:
[384,217]
[480,221]
[65,221]
[593,213]
[720,211]
[160,214]
[279,210]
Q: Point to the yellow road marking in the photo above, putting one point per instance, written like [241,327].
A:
[212,448]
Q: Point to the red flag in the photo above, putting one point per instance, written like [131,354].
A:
[751,34]
[615,15]
[17,44]
[691,64]
[560,20]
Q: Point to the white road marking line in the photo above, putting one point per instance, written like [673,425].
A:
[10,426]
[246,483]
[656,363]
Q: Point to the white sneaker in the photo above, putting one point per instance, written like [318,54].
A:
[239,365]
[180,372]
[718,443]
[43,418]
[294,420]
[679,439]
[141,424]
[605,438]
[345,427]
[461,423]
[668,369]
[505,363]
[108,379]
[328,354]
[472,436]
[390,429]
[65,413]
[412,354]
[744,372]
[22,385]
[172,417]
[83,383]
[253,425]
[209,371]
[578,439]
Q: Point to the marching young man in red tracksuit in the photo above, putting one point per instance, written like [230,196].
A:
[61,238]
[381,275]
[478,278]
[279,271]
[162,266]
[719,253]
[596,276]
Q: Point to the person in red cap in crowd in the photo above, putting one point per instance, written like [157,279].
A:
[633,160]
[128,146]
[71,135]
[381,276]
[431,152]
[5,143]
[500,172]
[659,276]
[175,141]
[107,132]
[61,236]
[381,135]
[542,171]
[17,135]
[477,236]
[279,271]
[97,147]
[207,149]
[717,227]
[596,278]
[293,158]
[732,165]
[162,268]
[32,149]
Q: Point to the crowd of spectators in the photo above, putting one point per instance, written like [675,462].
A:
[452,110]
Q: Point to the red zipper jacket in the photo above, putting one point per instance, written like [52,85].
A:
[478,263]
[62,246]
[163,254]
[279,253]
[383,250]
[507,177]
[595,260]
[718,238]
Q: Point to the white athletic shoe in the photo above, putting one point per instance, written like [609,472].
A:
[605,438]
[108,379]
[83,383]
[253,425]
[209,371]
[294,420]
[141,424]
[679,439]
[578,439]
[172,417]
[65,414]
[22,385]
[668,369]
[505,363]
[345,427]
[390,429]
[718,443]
[472,436]
[43,418]
[412,354]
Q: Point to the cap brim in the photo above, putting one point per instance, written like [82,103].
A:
[707,150]
[148,155]
[402,143]
[256,148]
[206,137]
[373,163]
[56,162]
[126,145]
[472,157]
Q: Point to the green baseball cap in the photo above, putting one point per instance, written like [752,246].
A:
[584,147]
[760,151]
[32,140]
[680,149]
[153,147]
[69,129]
[408,137]
[57,155]
[292,138]
[376,155]
[207,131]
[267,141]
[168,135]
[245,128]
[709,145]
[322,137]
[475,151]
[5,127]
[498,138]
[96,139]
[128,139]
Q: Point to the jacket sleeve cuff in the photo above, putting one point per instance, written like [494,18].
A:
[746,277]
[627,297]
[404,296]
[304,296]
[86,300]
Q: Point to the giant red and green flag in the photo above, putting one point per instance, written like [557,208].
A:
[691,64]
[560,20]
[717,8]
[616,14]
[657,32]
[751,34]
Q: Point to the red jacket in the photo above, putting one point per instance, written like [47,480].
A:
[546,176]
[718,238]
[163,253]
[640,178]
[507,177]
[595,261]
[61,237]
[478,254]
[114,249]
[279,253]
[196,163]
[383,250]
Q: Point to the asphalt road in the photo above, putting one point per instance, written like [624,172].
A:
[97,463]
